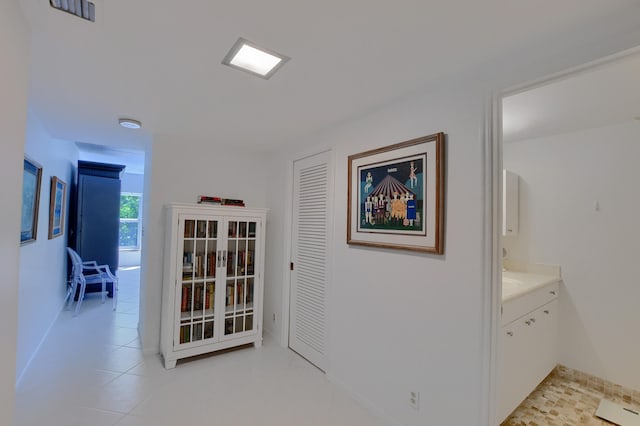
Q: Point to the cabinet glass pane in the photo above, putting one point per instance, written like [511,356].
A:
[231,258]
[197,331]
[213,229]
[185,334]
[250,296]
[251,257]
[241,249]
[186,301]
[239,324]
[241,288]
[209,299]
[228,326]
[189,228]
[233,229]
[199,260]
[208,330]
[187,260]
[230,296]
[201,229]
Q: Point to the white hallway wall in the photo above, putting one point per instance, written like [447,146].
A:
[14,69]
[179,170]
[561,179]
[428,332]
[43,263]
[404,321]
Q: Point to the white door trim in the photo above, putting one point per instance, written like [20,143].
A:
[492,276]
[288,235]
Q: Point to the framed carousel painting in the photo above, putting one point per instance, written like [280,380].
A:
[396,196]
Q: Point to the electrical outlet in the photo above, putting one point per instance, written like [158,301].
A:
[414,400]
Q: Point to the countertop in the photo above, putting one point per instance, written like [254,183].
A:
[516,284]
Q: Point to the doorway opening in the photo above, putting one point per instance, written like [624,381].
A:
[570,144]
[131,220]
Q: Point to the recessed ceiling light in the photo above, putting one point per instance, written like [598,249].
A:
[247,56]
[130,123]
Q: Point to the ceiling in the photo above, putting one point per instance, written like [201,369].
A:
[132,159]
[159,61]
[606,95]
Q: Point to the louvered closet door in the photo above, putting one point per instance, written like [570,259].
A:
[311,231]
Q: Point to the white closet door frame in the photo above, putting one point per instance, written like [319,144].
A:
[328,157]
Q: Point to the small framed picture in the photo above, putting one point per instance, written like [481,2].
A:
[31,180]
[396,196]
[57,203]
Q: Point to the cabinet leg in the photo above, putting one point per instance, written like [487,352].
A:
[170,363]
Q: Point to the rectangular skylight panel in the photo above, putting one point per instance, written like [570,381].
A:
[255,60]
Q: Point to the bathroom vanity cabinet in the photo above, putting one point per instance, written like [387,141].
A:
[528,345]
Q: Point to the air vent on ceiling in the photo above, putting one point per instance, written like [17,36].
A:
[81,8]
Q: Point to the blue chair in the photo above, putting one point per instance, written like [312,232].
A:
[96,274]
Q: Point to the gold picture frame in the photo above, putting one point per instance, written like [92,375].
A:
[31,180]
[396,196]
[57,206]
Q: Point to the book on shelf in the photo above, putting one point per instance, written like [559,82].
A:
[210,296]
[240,298]
[185,303]
[211,272]
[230,295]
[232,202]
[197,299]
[207,199]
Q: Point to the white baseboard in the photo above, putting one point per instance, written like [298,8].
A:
[20,375]
[364,401]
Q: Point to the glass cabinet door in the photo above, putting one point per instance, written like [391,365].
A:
[197,290]
[240,277]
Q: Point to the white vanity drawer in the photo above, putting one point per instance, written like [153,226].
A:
[521,305]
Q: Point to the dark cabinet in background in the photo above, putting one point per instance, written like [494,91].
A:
[95,223]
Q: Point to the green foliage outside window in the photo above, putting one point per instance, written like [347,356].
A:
[129,220]
[129,206]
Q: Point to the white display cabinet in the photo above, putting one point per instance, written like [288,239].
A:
[213,279]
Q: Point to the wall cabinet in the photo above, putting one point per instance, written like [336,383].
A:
[213,279]
[528,351]
[510,203]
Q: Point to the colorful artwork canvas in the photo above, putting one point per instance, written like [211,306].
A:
[396,196]
[392,196]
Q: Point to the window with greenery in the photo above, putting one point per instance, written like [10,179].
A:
[130,220]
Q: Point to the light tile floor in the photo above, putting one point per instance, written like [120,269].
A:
[90,371]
